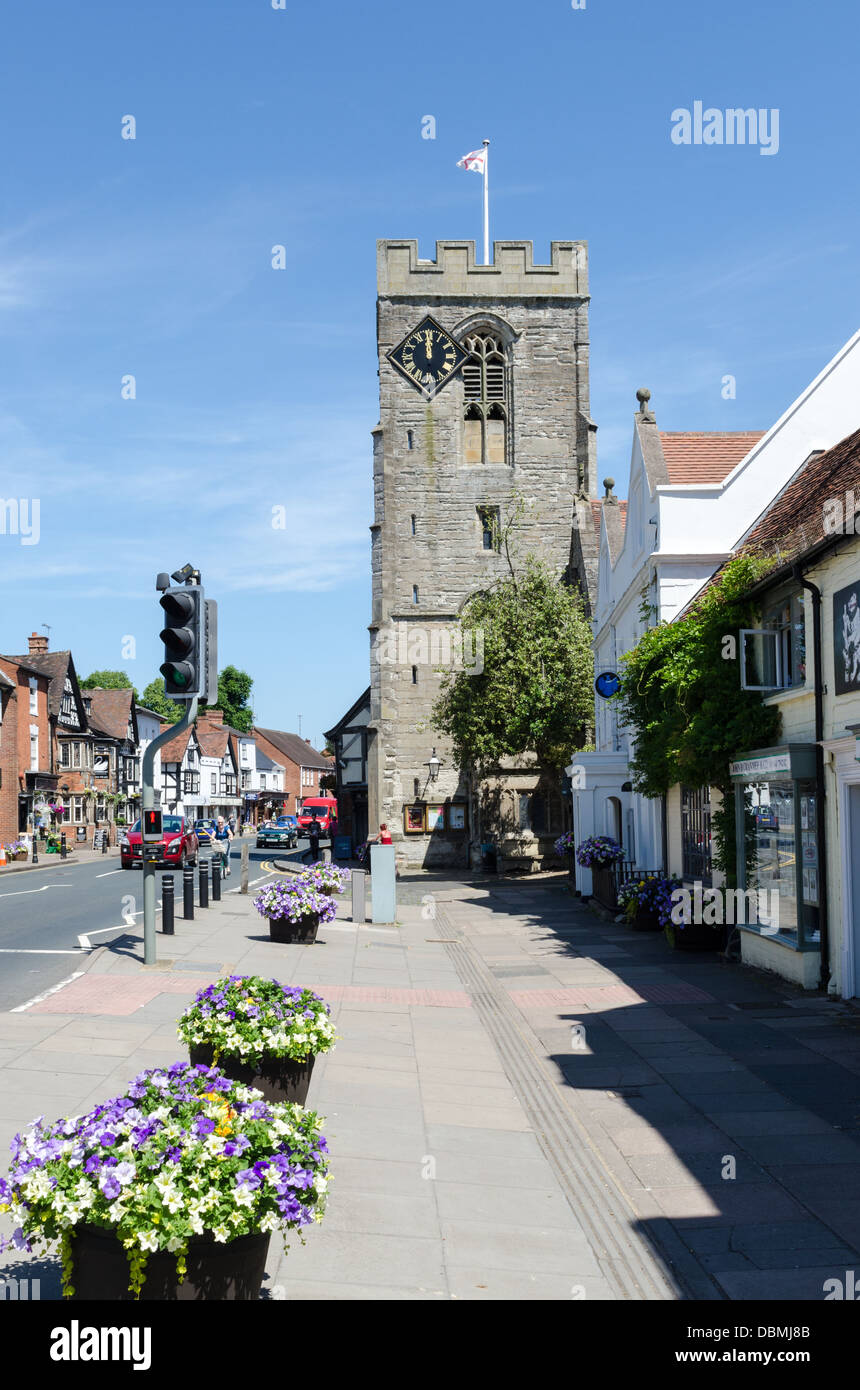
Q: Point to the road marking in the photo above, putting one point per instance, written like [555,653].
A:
[84,938]
[23,892]
[28,951]
[109,873]
[37,999]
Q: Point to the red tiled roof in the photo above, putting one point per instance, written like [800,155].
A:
[597,512]
[111,709]
[174,750]
[703,457]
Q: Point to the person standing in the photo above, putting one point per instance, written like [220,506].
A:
[314,837]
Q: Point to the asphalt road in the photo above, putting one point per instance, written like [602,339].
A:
[51,920]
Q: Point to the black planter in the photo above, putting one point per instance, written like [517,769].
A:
[303,932]
[216,1272]
[279,1078]
[603,886]
[694,936]
[646,919]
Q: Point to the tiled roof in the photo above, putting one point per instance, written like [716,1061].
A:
[703,457]
[212,739]
[56,666]
[174,750]
[597,512]
[111,710]
[295,748]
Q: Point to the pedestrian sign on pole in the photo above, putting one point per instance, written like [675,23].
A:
[153,827]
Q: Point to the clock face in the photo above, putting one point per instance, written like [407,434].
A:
[428,357]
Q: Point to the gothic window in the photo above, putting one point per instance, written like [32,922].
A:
[485,391]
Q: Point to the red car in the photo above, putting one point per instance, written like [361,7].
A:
[179,845]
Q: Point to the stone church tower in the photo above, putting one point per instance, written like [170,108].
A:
[484,409]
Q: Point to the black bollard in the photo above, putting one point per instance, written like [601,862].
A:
[204,882]
[188,894]
[216,881]
[35,852]
[62,844]
[105,844]
[167,893]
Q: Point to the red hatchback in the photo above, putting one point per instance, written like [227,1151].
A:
[178,845]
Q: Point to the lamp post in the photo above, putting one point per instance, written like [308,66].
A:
[433,765]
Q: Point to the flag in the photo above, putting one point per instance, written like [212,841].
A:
[474,161]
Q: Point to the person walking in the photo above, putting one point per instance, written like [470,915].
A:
[221,837]
[314,837]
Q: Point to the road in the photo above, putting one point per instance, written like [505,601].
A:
[52,920]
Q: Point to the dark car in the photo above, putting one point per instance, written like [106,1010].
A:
[179,845]
[204,830]
[282,833]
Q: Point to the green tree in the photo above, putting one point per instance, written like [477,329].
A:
[155,699]
[234,690]
[108,680]
[535,692]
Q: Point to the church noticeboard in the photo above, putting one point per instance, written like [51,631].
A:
[846,639]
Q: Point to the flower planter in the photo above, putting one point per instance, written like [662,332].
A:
[646,919]
[303,932]
[279,1078]
[694,936]
[215,1271]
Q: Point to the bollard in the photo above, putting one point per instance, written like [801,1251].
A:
[105,844]
[167,892]
[188,894]
[203,876]
[244,879]
[63,850]
[359,896]
[216,881]
[35,851]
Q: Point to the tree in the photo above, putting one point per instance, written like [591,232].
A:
[155,699]
[108,680]
[534,693]
[234,689]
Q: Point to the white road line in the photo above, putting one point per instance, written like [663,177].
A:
[109,873]
[84,938]
[37,999]
[22,892]
[29,951]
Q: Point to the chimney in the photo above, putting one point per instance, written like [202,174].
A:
[307,740]
[38,644]
[213,716]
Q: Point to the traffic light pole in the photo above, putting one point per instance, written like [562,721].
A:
[148,804]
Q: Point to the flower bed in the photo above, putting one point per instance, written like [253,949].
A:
[184,1153]
[250,1017]
[598,851]
[326,878]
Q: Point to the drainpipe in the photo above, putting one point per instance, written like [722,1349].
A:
[819,776]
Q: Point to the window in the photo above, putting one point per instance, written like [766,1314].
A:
[490,526]
[34,695]
[410,439]
[246,781]
[262,781]
[414,593]
[65,755]
[773,656]
[414,675]
[34,747]
[191,783]
[77,811]
[485,390]
[101,810]
[213,784]
[228,784]
[412,522]
[696,834]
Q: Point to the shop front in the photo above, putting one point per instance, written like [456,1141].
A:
[778,819]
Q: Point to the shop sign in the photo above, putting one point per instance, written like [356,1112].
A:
[760,769]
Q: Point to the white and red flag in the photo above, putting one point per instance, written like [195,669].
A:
[474,161]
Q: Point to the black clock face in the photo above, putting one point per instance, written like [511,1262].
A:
[428,357]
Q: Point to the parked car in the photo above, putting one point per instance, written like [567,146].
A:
[284,832]
[179,845]
[204,830]
[325,809]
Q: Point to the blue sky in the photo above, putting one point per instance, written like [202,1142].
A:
[258,388]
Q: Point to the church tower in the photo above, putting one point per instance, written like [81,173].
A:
[483,415]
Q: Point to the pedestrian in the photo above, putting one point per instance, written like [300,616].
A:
[221,838]
[383,837]
[314,837]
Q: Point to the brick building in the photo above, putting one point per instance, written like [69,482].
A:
[502,436]
[303,765]
[29,777]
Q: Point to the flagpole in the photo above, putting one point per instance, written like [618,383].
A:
[486,202]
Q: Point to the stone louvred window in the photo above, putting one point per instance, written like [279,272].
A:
[485,391]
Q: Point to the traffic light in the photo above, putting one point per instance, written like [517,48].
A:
[184,638]
[153,823]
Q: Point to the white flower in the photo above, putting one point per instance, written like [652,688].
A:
[269,1222]
[148,1240]
[221,1233]
[37,1185]
[243,1196]
[320,1183]
[174,1244]
[164,1183]
[196,1223]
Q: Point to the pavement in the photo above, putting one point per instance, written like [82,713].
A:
[525,1101]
